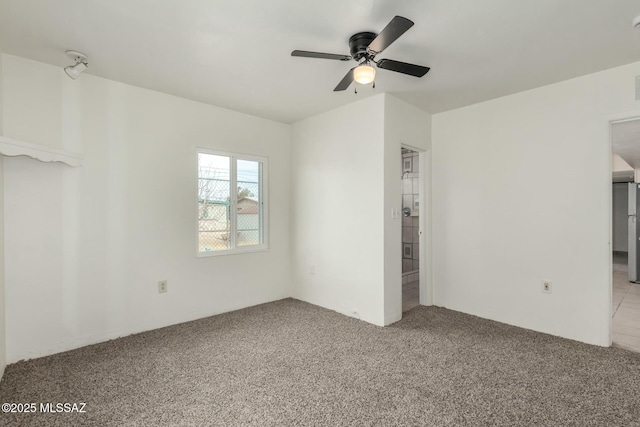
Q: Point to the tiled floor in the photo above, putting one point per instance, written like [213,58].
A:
[410,295]
[626,307]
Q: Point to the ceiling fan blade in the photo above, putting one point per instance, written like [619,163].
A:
[394,29]
[403,67]
[307,54]
[346,81]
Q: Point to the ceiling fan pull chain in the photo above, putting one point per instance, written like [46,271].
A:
[374,84]
[355,90]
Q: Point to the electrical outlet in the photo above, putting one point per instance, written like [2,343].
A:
[546,286]
[162,286]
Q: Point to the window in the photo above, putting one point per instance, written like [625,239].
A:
[232,207]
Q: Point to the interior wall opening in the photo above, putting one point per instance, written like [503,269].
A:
[625,234]
[410,251]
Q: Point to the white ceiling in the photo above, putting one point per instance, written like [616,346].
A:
[236,54]
[625,141]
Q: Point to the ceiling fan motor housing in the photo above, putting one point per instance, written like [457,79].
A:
[358,44]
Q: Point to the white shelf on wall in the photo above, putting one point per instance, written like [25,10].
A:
[12,147]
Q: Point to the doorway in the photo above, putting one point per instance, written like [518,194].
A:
[410,250]
[625,230]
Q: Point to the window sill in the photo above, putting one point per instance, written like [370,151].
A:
[263,248]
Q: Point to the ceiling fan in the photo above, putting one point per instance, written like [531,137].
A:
[364,47]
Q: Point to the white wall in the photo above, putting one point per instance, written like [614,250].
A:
[345,184]
[405,125]
[521,193]
[619,217]
[337,204]
[3,347]
[86,246]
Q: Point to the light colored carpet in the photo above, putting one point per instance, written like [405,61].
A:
[291,363]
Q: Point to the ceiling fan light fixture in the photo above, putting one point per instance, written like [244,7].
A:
[364,74]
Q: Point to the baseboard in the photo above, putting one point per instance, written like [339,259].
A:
[392,318]
[87,340]
[599,342]
[340,310]
[68,345]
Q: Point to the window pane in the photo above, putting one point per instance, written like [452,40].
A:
[214,191]
[249,208]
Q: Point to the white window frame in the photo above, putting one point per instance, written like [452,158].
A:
[233,185]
